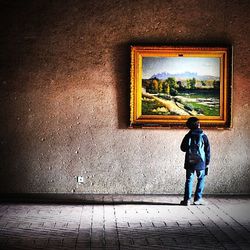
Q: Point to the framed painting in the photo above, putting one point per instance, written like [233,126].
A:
[170,84]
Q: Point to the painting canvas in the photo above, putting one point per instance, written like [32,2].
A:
[181,86]
[170,84]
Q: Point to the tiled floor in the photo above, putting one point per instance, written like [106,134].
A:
[224,223]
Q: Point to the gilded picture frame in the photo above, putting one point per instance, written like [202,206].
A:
[170,84]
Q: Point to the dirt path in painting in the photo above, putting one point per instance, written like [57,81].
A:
[169,105]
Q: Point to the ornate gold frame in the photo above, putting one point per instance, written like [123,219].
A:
[140,120]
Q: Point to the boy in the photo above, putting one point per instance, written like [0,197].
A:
[195,138]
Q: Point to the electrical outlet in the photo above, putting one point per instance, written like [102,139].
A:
[80,179]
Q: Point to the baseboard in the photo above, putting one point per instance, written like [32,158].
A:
[65,198]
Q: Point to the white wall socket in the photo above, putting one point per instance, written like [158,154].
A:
[80,179]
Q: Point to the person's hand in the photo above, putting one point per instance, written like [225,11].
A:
[206,170]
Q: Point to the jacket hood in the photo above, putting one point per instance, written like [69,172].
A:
[196,131]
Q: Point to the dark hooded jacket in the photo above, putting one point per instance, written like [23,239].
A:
[185,146]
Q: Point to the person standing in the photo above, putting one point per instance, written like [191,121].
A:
[196,146]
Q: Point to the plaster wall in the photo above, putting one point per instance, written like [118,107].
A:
[64,99]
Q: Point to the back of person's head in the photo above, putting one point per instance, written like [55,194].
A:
[193,123]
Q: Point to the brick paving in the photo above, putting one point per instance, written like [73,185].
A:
[223,223]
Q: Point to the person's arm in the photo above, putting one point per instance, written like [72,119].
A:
[184,144]
[207,150]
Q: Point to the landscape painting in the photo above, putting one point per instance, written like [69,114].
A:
[181,86]
[170,84]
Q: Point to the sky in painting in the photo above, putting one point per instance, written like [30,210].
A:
[176,65]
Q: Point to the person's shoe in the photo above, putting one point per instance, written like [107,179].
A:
[199,202]
[185,202]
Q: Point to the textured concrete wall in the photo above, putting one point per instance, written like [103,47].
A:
[64,103]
